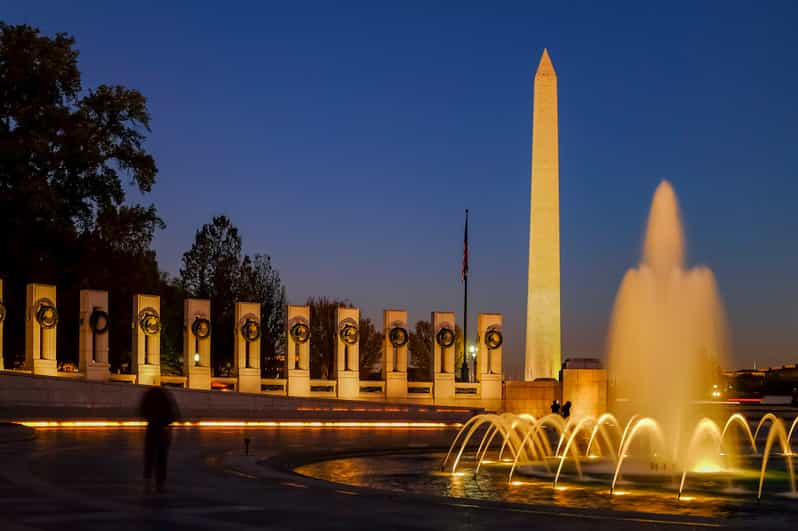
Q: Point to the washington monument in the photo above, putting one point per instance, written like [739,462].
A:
[543,357]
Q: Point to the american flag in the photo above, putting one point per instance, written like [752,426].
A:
[464,272]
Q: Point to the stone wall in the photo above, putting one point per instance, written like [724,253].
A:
[586,389]
[533,397]
[29,397]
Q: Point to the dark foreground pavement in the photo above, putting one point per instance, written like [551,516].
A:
[91,479]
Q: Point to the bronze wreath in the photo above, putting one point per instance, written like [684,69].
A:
[201,328]
[46,314]
[99,322]
[250,330]
[445,337]
[300,333]
[493,339]
[149,322]
[398,336]
[349,334]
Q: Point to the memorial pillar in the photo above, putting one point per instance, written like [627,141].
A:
[247,346]
[40,329]
[298,354]
[348,352]
[197,343]
[443,346]
[146,354]
[394,360]
[93,343]
[489,355]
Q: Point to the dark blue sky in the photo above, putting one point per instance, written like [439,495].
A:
[345,141]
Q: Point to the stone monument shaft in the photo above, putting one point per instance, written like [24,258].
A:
[543,357]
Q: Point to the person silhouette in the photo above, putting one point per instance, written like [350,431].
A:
[555,407]
[566,410]
[159,409]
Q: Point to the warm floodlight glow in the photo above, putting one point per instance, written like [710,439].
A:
[707,467]
[45,424]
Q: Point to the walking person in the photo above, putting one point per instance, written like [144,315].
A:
[555,407]
[159,409]
[566,410]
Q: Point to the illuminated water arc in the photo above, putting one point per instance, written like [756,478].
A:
[776,431]
[792,429]
[705,427]
[555,421]
[645,423]
[768,417]
[738,419]
[574,432]
[606,418]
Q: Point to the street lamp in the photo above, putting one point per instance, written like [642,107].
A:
[196,359]
[472,349]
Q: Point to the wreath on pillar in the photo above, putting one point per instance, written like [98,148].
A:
[300,333]
[349,334]
[46,313]
[201,328]
[98,321]
[445,337]
[493,339]
[398,336]
[2,312]
[250,330]
[149,321]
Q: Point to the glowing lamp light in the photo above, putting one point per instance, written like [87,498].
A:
[473,350]
[196,359]
[707,467]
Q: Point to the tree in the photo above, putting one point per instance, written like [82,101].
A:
[215,269]
[64,152]
[420,347]
[323,331]
[260,282]
[370,347]
[211,270]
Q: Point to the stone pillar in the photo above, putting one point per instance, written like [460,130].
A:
[197,343]
[489,355]
[41,323]
[2,319]
[247,346]
[298,354]
[347,352]
[586,389]
[394,361]
[146,354]
[443,346]
[94,323]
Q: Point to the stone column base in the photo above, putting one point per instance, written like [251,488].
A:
[199,378]
[396,385]
[490,386]
[298,382]
[444,387]
[248,380]
[97,372]
[348,384]
[45,367]
[148,374]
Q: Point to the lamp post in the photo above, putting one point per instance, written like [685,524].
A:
[472,349]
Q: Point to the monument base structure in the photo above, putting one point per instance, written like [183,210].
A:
[147,339]
[348,385]
[40,329]
[197,343]
[247,346]
[298,382]
[248,380]
[94,335]
[298,350]
[490,386]
[584,384]
[443,387]
[348,353]
[396,385]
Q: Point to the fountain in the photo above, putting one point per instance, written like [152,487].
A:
[666,345]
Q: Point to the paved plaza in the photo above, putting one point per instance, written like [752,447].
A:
[91,479]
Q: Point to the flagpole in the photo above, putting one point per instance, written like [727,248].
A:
[464,368]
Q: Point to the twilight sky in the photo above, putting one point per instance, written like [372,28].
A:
[345,141]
